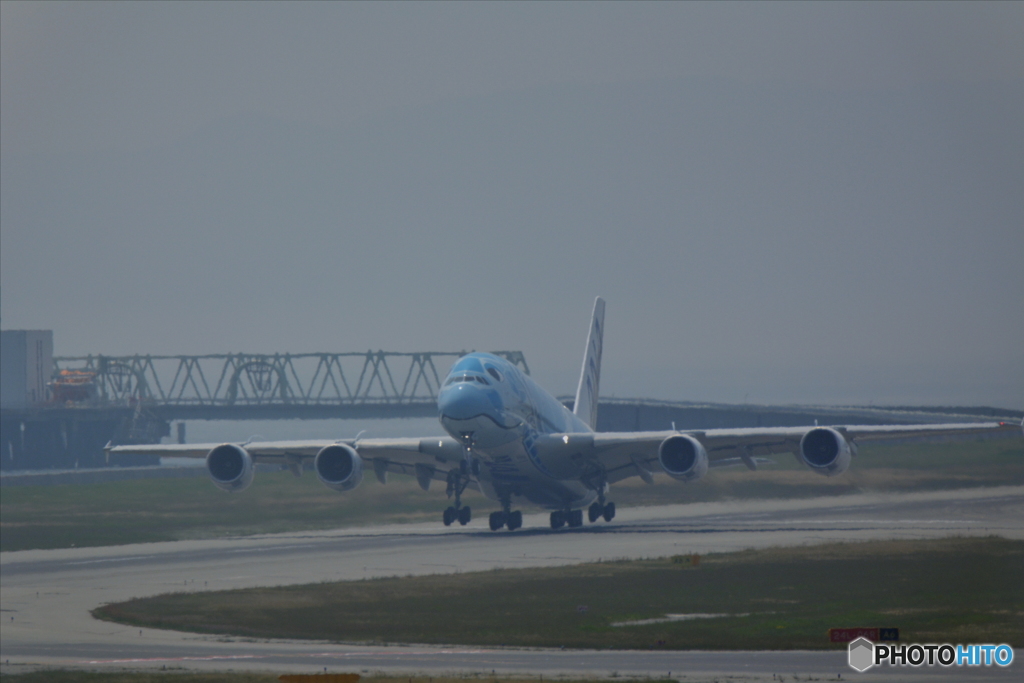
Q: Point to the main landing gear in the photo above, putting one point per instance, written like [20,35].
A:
[513,520]
[597,511]
[560,518]
[574,518]
[462,514]
[506,516]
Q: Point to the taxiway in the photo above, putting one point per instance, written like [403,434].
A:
[46,596]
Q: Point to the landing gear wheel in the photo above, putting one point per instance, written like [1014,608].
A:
[457,483]
[609,512]
[515,520]
[557,519]
[575,518]
[594,512]
[497,520]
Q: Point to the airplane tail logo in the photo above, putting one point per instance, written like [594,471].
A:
[585,406]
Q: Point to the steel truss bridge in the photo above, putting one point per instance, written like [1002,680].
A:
[246,386]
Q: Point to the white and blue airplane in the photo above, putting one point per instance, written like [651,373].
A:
[513,441]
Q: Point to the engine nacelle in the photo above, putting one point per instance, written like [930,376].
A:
[683,457]
[339,467]
[825,451]
[230,467]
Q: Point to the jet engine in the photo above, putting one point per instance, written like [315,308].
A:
[230,467]
[825,451]
[339,467]
[683,457]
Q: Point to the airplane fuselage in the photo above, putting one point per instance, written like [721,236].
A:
[503,419]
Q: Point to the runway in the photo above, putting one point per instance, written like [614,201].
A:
[46,596]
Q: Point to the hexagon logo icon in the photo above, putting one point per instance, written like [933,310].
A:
[862,654]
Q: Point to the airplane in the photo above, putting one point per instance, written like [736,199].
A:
[511,440]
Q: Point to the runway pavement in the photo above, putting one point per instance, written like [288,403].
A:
[46,595]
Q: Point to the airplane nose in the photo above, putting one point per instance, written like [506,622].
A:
[464,401]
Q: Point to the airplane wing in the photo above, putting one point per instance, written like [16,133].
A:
[426,459]
[620,455]
[627,454]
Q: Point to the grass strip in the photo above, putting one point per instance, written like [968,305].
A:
[958,590]
[150,510]
[173,675]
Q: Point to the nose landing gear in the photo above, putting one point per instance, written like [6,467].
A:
[457,483]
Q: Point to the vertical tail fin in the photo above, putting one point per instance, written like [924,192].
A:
[585,406]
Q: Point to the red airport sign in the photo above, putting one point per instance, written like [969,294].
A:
[875,635]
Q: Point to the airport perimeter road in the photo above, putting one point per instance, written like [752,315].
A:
[45,596]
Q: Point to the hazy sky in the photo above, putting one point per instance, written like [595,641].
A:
[810,202]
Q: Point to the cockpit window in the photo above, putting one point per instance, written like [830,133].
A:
[494,373]
[467,378]
[468,364]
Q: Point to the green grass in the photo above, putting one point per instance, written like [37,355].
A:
[177,676]
[778,599]
[149,510]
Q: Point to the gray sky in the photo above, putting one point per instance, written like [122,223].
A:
[811,202]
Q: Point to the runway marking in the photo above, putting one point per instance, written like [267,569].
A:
[113,559]
[273,548]
[678,617]
[364,653]
[169,659]
[907,521]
